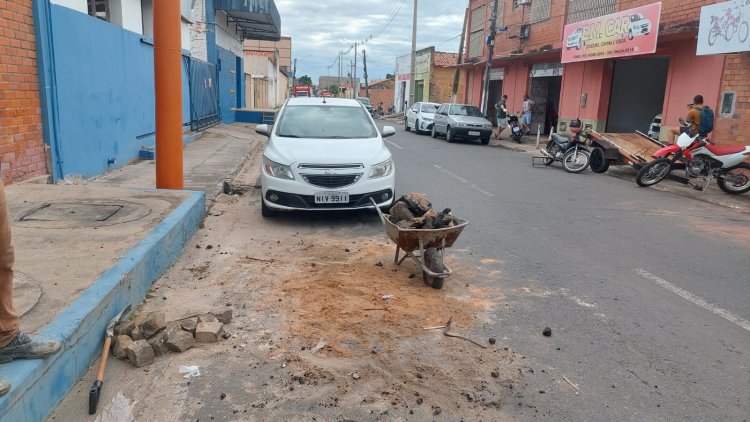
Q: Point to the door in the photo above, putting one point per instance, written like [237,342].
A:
[636,99]
[496,89]
[418,91]
[439,119]
[204,94]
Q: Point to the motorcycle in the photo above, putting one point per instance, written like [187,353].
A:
[515,128]
[701,159]
[571,151]
[376,112]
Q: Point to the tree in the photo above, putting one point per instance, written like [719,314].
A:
[305,80]
[390,76]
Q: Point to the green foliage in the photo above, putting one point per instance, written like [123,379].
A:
[305,80]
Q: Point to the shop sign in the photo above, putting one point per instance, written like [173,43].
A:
[724,28]
[543,70]
[628,33]
[403,68]
[422,65]
[497,74]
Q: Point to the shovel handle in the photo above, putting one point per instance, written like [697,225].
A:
[103,362]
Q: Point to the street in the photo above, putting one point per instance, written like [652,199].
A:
[643,292]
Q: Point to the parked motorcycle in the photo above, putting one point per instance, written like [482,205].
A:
[515,128]
[376,112]
[575,157]
[701,160]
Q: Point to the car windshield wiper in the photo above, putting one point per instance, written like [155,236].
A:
[288,136]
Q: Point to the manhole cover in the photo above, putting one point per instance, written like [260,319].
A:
[26,292]
[72,212]
[90,213]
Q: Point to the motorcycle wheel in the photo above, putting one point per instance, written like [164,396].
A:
[743,32]
[597,162]
[741,179]
[653,172]
[576,162]
[433,260]
[552,151]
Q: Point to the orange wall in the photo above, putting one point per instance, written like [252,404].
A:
[593,78]
[735,129]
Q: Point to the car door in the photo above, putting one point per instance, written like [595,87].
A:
[411,116]
[438,122]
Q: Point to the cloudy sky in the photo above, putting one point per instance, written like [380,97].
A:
[320,28]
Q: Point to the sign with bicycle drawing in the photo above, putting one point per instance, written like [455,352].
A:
[724,28]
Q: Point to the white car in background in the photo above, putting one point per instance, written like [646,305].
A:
[639,25]
[575,40]
[421,117]
[325,154]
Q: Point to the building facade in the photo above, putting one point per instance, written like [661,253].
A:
[343,84]
[381,91]
[96,74]
[433,77]
[616,90]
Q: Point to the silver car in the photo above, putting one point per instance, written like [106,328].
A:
[461,121]
[420,117]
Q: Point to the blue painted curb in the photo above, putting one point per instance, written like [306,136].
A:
[40,385]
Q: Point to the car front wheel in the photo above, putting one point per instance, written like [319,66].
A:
[449,136]
[265,211]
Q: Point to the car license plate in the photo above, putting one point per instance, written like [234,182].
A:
[473,133]
[332,198]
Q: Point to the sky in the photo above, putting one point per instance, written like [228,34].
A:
[320,28]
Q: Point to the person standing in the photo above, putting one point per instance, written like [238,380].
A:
[528,108]
[502,116]
[14,344]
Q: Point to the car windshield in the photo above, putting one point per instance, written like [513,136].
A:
[325,122]
[429,108]
[364,101]
[464,110]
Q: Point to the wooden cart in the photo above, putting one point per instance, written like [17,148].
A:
[635,149]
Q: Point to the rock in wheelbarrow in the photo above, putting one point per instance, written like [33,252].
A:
[400,212]
[417,202]
[434,261]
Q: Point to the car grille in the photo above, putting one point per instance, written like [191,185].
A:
[331,180]
[479,125]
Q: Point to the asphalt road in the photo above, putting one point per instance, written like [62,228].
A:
[647,293]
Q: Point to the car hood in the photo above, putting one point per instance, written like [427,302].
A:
[428,115]
[470,119]
[289,151]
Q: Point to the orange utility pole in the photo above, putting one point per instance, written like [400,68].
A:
[168,84]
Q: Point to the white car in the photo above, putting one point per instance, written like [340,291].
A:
[639,25]
[420,117]
[575,40]
[325,154]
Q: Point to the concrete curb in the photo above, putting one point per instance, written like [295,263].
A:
[40,385]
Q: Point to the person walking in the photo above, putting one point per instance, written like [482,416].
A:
[528,108]
[502,116]
[14,344]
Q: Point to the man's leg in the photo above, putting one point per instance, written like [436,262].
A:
[13,343]
[8,317]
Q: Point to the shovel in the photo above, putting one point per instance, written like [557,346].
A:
[96,388]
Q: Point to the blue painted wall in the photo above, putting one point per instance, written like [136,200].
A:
[104,95]
[227,84]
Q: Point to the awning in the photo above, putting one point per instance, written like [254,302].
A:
[256,19]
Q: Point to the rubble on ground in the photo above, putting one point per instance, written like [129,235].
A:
[414,211]
[140,343]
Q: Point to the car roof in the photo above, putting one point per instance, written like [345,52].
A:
[338,102]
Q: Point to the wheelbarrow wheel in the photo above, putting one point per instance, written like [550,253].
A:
[433,260]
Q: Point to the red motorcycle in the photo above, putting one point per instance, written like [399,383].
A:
[700,159]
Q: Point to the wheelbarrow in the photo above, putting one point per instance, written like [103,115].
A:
[431,244]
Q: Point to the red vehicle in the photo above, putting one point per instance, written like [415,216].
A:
[302,91]
[326,94]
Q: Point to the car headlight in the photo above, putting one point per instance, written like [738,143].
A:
[426,119]
[381,169]
[275,169]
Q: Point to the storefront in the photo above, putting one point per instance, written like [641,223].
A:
[618,73]
[495,92]
[546,83]
[403,79]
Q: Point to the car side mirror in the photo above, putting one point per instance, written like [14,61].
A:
[263,130]
[388,131]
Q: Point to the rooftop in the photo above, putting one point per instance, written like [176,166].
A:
[442,59]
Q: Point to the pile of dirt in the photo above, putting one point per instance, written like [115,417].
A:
[414,211]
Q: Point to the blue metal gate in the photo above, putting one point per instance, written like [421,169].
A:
[204,93]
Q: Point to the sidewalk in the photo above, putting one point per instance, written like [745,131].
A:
[712,195]
[85,251]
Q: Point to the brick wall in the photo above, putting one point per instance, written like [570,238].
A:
[22,152]
[441,84]
[734,130]
[676,15]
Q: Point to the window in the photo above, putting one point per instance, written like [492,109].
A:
[476,38]
[727,104]
[539,10]
[499,12]
[325,122]
[580,10]
[464,110]
[99,9]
